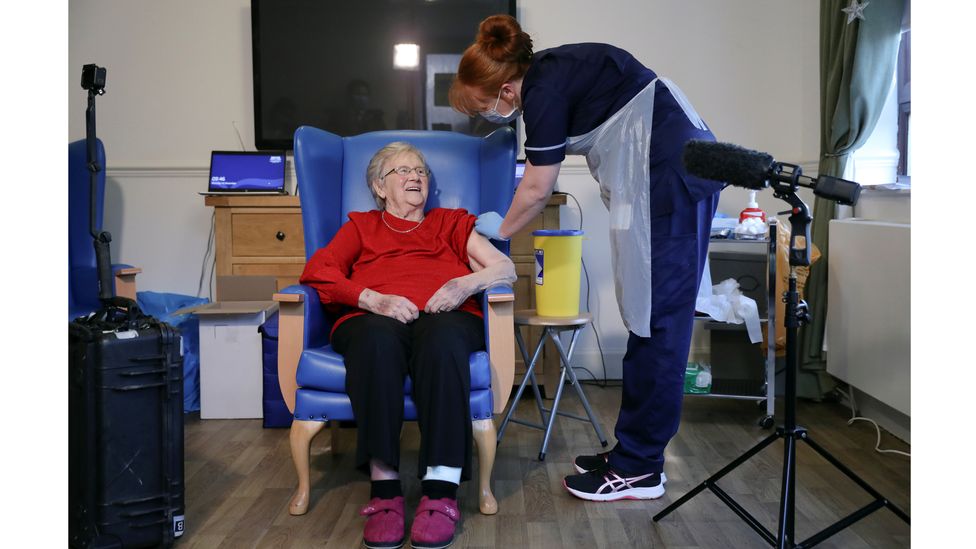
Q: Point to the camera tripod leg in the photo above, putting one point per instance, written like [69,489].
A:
[710,481]
[857,480]
[788,495]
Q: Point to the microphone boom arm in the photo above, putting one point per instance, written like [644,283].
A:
[785,180]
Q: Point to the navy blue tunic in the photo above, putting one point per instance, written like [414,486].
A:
[572,89]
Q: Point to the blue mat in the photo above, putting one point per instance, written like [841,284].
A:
[162,306]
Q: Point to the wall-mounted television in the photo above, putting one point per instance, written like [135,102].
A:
[361,65]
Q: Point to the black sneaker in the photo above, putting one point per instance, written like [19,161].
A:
[605,484]
[585,464]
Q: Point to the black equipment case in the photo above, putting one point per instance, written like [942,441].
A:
[125,410]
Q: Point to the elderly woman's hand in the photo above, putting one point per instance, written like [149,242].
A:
[450,296]
[393,306]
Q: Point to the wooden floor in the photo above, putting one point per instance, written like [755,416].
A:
[239,478]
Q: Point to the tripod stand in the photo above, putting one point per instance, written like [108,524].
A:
[785,185]
[93,80]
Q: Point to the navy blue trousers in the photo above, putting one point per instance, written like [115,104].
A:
[654,367]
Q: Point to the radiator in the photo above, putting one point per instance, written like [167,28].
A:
[869,308]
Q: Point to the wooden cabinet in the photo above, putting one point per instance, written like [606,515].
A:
[262,235]
[259,235]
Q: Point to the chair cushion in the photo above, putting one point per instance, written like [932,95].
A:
[323,369]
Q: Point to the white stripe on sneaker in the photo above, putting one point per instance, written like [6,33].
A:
[620,488]
[616,483]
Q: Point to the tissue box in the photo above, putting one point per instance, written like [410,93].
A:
[691,378]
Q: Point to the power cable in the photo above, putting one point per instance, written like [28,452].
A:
[586,274]
[855,417]
[206,255]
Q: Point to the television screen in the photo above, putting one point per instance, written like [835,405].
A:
[358,66]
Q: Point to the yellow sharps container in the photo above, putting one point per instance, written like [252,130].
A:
[558,256]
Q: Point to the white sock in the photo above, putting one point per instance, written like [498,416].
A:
[445,473]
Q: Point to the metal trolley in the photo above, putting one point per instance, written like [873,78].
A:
[767,390]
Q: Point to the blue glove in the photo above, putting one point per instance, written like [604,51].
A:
[488,224]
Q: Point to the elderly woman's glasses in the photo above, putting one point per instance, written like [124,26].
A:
[404,171]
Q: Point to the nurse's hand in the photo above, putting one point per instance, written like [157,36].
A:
[489,224]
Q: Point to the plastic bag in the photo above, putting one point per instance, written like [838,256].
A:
[727,304]
[162,306]
[782,282]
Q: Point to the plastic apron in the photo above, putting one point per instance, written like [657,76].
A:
[618,155]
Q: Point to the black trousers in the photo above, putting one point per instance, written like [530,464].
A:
[434,350]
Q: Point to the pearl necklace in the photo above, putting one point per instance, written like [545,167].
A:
[383,217]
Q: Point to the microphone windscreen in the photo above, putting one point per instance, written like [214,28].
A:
[727,162]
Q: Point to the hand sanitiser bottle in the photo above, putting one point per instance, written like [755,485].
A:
[752,220]
[752,210]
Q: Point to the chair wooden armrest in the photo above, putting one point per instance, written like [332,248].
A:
[125,282]
[501,347]
[291,330]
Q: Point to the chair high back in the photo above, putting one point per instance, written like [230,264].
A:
[468,172]
[82,271]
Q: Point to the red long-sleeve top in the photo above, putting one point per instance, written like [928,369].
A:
[367,253]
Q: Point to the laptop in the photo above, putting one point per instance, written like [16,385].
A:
[246,172]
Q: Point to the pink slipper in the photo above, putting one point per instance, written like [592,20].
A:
[384,527]
[434,524]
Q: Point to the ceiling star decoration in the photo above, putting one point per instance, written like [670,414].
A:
[855,11]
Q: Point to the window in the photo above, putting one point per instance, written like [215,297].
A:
[904,89]
[885,157]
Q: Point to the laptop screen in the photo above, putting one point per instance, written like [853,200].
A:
[240,171]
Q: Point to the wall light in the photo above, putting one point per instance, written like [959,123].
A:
[406,56]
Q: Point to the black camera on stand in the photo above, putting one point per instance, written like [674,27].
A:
[93,78]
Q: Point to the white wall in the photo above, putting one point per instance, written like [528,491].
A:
[179,79]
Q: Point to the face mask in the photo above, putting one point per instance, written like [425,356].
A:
[492,115]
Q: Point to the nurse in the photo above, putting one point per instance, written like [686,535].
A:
[598,101]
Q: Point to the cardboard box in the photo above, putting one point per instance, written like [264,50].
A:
[230,349]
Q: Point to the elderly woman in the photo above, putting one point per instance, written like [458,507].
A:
[402,280]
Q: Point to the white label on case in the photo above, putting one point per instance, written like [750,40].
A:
[177,525]
[128,334]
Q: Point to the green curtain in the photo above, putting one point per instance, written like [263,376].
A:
[857,64]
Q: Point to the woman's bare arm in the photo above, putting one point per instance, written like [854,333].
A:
[491,268]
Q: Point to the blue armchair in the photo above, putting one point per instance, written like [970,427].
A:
[468,172]
[82,272]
